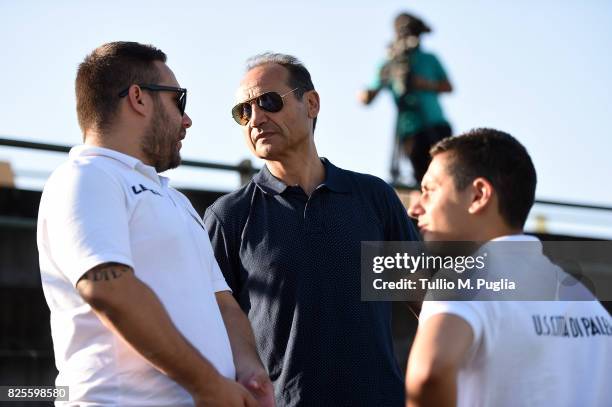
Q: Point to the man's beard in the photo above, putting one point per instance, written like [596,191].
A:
[159,143]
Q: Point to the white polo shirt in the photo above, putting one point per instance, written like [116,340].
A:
[104,206]
[532,353]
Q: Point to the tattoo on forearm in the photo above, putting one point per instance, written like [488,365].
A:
[106,272]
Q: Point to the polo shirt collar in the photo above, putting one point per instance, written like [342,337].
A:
[335,179]
[268,182]
[85,150]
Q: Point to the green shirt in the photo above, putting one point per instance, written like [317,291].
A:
[418,109]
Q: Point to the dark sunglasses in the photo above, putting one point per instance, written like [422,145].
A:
[270,102]
[181,102]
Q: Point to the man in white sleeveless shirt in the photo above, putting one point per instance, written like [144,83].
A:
[480,187]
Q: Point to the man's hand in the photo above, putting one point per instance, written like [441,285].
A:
[249,369]
[256,381]
[366,96]
[225,393]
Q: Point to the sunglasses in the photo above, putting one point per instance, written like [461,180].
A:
[270,102]
[181,101]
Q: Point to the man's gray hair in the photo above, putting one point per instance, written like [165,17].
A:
[299,77]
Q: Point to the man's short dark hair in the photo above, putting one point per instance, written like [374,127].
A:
[299,77]
[499,158]
[105,72]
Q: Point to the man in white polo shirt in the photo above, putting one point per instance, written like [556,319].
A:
[480,187]
[140,312]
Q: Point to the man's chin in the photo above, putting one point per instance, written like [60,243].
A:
[428,236]
[175,162]
[265,153]
[439,236]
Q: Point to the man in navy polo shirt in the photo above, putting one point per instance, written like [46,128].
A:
[289,242]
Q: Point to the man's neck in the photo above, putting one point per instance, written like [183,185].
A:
[488,234]
[122,143]
[306,171]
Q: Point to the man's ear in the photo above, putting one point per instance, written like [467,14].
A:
[137,101]
[482,195]
[313,103]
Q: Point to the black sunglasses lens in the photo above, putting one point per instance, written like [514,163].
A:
[242,113]
[182,101]
[270,102]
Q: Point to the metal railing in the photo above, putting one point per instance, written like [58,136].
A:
[246,170]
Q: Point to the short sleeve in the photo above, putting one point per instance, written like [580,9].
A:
[218,280]
[222,248]
[85,221]
[216,277]
[399,227]
[463,309]
[438,69]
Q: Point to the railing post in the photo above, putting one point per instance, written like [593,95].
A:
[246,171]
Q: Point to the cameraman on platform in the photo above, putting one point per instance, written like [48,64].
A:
[415,79]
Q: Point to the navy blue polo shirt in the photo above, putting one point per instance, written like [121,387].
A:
[293,263]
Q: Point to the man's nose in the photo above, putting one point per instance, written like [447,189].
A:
[187,121]
[415,209]
[258,115]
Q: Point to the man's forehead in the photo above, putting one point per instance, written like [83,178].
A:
[262,79]
[166,75]
[437,171]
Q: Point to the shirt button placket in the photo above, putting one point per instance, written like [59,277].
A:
[313,215]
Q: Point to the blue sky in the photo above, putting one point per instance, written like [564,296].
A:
[539,70]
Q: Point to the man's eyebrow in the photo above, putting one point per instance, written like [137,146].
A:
[248,99]
[244,97]
[257,92]
[429,183]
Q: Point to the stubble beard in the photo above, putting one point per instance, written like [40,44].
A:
[159,143]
